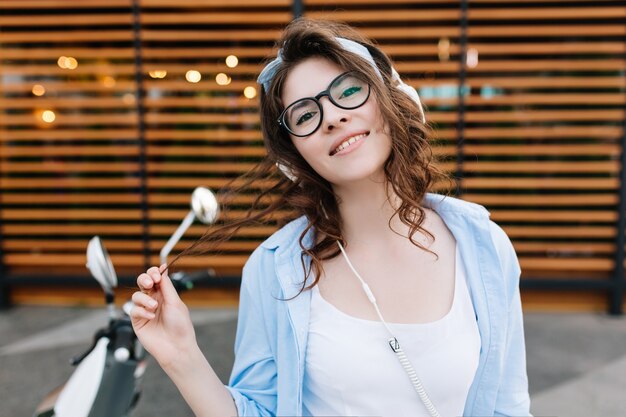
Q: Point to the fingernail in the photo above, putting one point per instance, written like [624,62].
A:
[152,303]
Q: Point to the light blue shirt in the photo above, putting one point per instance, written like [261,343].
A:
[271,337]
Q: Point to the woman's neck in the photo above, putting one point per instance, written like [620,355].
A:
[365,208]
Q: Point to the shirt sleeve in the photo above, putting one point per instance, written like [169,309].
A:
[253,379]
[513,398]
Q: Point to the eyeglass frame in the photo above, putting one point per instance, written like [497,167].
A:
[317,98]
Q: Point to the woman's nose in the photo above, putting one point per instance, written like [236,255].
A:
[333,115]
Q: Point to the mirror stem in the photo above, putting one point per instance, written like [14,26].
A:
[187,221]
[112,311]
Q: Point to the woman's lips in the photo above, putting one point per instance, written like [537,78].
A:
[349,143]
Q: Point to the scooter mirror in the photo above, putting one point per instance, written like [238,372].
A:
[100,265]
[204,205]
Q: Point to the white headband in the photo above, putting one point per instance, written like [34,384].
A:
[266,76]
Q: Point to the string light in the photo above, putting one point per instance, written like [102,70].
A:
[157,73]
[67,62]
[222,79]
[472,58]
[48,116]
[232,61]
[249,92]
[444,49]
[193,76]
[71,63]
[39,90]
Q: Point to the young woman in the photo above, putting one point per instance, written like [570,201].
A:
[381,299]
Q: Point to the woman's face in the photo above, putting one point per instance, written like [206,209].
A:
[349,145]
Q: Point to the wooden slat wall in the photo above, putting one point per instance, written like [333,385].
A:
[544,126]
[544,111]
[64,181]
[544,115]
[204,133]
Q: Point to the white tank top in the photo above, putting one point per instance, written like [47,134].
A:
[350,370]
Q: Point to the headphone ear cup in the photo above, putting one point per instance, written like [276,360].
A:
[411,92]
[287,172]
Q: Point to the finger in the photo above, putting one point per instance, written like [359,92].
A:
[167,288]
[145,282]
[141,313]
[155,274]
[144,300]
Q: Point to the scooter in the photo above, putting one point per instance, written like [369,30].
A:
[107,379]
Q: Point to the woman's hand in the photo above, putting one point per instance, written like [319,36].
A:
[160,319]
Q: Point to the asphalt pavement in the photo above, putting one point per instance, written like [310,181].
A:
[576,362]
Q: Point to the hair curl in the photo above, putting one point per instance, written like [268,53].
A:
[410,170]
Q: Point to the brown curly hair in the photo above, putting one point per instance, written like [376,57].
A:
[409,171]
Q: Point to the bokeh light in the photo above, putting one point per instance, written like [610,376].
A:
[48,116]
[67,62]
[128,98]
[249,92]
[232,61]
[222,79]
[39,90]
[472,58]
[108,81]
[444,49]
[157,73]
[193,76]
[71,63]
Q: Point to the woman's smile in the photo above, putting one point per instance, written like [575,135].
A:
[349,144]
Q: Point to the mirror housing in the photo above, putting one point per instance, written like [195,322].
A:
[204,205]
[100,265]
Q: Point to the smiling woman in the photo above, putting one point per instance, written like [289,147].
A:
[375,261]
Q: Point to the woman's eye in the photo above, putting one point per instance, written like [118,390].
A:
[350,91]
[305,117]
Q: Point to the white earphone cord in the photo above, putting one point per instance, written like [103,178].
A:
[393,342]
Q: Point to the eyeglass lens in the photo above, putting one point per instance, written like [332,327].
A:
[304,116]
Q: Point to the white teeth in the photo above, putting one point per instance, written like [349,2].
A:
[349,142]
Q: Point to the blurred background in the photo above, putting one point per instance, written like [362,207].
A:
[113,111]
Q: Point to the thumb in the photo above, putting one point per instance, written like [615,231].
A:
[167,287]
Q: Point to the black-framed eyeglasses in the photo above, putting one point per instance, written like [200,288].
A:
[303,117]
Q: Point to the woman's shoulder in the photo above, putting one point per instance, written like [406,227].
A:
[442,203]
[286,236]
[476,220]
[280,243]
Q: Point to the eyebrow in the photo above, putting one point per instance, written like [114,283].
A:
[302,103]
[298,106]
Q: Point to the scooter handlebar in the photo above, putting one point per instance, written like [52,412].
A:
[183,281]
